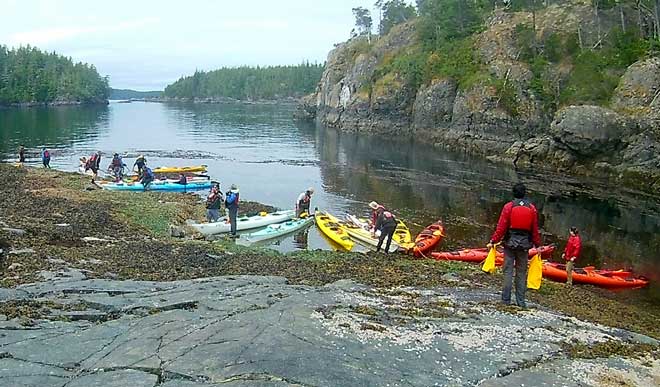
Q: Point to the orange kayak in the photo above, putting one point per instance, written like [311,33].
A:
[479,255]
[588,275]
[429,238]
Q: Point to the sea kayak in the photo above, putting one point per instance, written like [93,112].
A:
[244,222]
[197,168]
[275,231]
[157,185]
[330,226]
[588,275]
[429,238]
[361,235]
[478,255]
[402,236]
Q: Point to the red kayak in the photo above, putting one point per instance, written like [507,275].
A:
[479,255]
[429,238]
[588,275]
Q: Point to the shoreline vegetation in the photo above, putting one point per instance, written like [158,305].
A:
[51,221]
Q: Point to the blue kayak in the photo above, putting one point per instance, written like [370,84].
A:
[157,186]
[275,230]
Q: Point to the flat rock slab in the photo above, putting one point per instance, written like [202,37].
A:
[260,331]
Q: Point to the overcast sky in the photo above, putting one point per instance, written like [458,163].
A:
[145,44]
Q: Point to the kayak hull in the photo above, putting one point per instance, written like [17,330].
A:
[479,255]
[330,226]
[275,231]
[157,186]
[244,223]
[429,238]
[364,236]
[557,272]
[196,168]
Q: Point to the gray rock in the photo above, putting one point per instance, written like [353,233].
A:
[434,105]
[591,130]
[21,251]
[177,232]
[14,231]
[248,330]
[639,88]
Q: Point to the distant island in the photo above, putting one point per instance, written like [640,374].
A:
[31,77]
[247,83]
[133,94]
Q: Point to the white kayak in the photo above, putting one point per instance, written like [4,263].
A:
[244,222]
[358,229]
[275,231]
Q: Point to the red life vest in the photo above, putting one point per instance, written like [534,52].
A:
[522,215]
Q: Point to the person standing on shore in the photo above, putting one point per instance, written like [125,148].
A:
[21,154]
[518,228]
[231,202]
[376,210]
[45,158]
[386,223]
[572,253]
[140,163]
[213,203]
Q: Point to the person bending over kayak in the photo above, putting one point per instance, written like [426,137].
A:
[45,158]
[376,210]
[386,223]
[93,163]
[304,201]
[147,177]
[572,253]
[231,202]
[518,228]
[213,203]
[140,163]
[182,179]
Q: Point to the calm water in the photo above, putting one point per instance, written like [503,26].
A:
[272,160]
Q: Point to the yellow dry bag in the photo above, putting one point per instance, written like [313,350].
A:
[535,273]
[489,263]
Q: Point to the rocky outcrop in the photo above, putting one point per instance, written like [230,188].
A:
[500,113]
[251,330]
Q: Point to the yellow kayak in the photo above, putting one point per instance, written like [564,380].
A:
[402,236]
[330,226]
[197,168]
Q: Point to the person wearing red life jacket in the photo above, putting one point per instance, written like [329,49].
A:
[518,228]
[376,210]
[303,202]
[572,253]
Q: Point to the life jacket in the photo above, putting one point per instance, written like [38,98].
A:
[116,162]
[522,216]
[93,158]
[46,154]
[521,221]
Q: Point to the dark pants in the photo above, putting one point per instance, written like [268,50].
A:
[302,208]
[385,233]
[233,213]
[146,182]
[46,162]
[520,259]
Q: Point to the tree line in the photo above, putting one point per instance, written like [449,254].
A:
[249,83]
[28,75]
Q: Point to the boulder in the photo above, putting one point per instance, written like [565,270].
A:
[589,131]
[639,89]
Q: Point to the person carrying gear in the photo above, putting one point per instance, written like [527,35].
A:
[518,228]
[304,201]
[117,167]
[231,202]
[213,203]
[386,223]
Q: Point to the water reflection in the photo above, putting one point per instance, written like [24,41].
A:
[421,184]
[55,128]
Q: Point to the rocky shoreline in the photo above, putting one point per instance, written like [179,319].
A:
[53,104]
[96,291]
[618,140]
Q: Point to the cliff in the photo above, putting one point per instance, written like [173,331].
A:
[509,108]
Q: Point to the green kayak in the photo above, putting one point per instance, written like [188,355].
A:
[275,230]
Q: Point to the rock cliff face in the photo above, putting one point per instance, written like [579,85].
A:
[619,141]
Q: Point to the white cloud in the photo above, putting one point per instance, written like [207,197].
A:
[50,35]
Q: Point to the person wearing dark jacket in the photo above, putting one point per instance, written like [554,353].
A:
[231,202]
[21,154]
[518,228]
[304,201]
[572,253]
[147,177]
[45,158]
[140,163]
[213,203]
[386,223]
